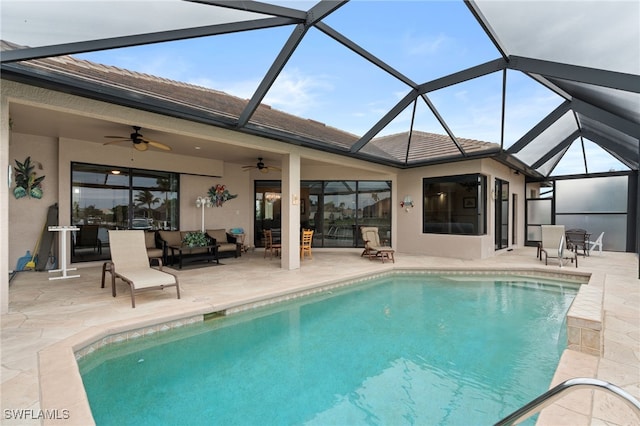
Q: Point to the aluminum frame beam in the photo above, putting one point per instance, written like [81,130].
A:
[564,144]
[315,14]
[553,116]
[140,39]
[597,77]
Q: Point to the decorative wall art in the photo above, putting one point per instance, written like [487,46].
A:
[219,194]
[27,182]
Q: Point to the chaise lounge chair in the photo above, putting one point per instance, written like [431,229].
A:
[372,247]
[130,263]
[554,246]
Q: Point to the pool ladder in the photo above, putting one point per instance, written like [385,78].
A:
[558,392]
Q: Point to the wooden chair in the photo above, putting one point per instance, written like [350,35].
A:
[269,246]
[305,245]
[372,246]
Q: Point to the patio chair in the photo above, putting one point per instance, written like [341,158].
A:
[305,244]
[130,263]
[553,245]
[578,239]
[87,237]
[597,243]
[153,252]
[372,247]
[269,246]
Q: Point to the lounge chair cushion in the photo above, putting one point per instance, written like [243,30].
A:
[372,246]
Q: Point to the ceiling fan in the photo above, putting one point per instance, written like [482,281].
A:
[262,167]
[139,142]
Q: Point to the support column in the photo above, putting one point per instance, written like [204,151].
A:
[291,211]
[4,202]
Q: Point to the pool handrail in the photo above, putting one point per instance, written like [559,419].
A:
[558,391]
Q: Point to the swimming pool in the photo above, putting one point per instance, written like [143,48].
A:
[402,349]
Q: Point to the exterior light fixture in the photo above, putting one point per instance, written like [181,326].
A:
[407,203]
[203,202]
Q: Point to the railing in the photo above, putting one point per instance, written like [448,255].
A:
[558,392]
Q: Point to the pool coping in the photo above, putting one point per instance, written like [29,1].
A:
[62,393]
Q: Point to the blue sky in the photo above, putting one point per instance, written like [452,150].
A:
[326,82]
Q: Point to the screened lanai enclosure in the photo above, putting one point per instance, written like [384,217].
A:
[461,70]
[550,89]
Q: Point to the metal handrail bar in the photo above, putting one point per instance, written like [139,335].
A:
[557,392]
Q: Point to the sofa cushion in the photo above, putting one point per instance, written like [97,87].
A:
[150,239]
[227,247]
[220,235]
[172,238]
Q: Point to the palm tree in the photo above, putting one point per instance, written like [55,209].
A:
[147,198]
[165,185]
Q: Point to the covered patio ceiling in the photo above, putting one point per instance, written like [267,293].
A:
[582,57]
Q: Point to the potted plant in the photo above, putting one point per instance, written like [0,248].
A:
[195,239]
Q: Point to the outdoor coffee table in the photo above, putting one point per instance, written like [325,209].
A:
[184,254]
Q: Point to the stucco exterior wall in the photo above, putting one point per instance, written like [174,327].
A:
[27,216]
[411,239]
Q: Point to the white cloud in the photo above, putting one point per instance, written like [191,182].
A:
[420,46]
[297,93]
[243,89]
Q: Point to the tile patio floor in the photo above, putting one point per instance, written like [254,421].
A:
[47,317]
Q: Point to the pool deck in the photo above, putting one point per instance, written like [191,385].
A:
[50,320]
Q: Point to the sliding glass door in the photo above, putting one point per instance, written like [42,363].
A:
[106,197]
[335,210]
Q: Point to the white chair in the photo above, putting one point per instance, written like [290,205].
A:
[130,263]
[554,245]
[597,243]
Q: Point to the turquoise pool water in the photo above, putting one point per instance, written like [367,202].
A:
[427,350]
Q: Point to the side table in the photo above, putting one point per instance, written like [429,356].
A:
[63,230]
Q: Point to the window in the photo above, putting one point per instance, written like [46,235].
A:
[455,205]
[105,197]
[335,210]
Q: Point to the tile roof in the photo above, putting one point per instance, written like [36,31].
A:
[228,108]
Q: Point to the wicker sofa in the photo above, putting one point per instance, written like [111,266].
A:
[226,244]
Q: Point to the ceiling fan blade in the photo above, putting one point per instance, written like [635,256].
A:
[117,137]
[158,145]
[141,146]
[120,141]
[277,169]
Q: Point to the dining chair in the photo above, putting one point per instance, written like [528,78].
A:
[305,245]
[269,246]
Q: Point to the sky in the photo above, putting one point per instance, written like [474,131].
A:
[323,80]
